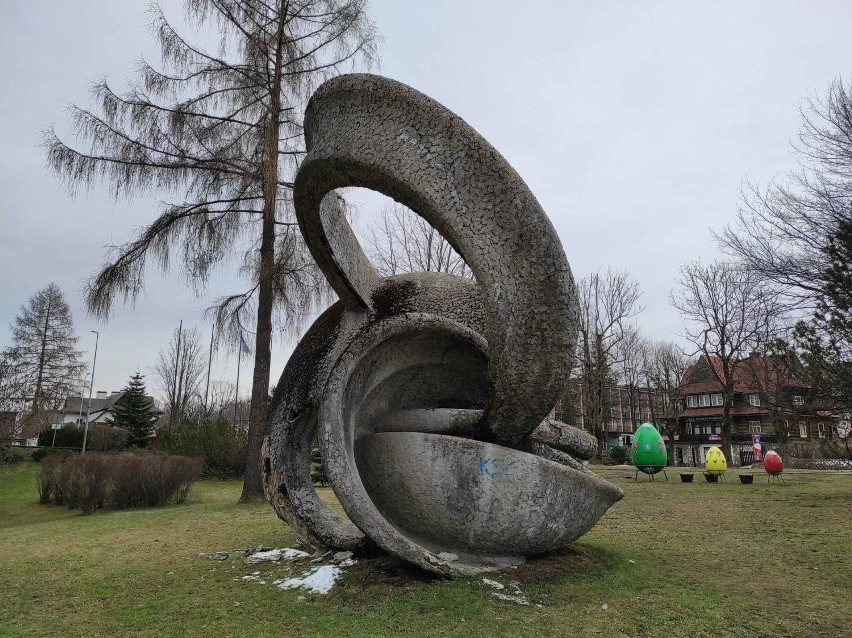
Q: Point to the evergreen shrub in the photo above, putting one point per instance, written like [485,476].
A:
[619,455]
[217,441]
[70,436]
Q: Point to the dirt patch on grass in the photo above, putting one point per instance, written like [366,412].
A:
[554,567]
[385,573]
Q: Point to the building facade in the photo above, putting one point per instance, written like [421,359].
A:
[771,404]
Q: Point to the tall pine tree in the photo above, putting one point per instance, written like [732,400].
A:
[43,365]
[135,413]
[219,133]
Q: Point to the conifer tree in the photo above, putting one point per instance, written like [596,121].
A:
[135,413]
[43,364]
[219,133]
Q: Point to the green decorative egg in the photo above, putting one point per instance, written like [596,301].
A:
[649,450]
[715,461]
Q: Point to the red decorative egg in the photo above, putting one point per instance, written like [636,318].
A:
[772,463]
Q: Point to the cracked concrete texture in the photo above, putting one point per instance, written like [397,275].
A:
[407,380]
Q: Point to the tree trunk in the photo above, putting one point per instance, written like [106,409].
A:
[726,426]
[253,479]
[37,392]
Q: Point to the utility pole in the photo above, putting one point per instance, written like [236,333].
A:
[209,365]
[174,386]
[91,384]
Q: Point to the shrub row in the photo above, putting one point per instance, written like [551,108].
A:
[217,441]
[116,480]
[101,438]
[9,455]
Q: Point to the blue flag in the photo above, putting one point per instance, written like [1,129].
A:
[244,348]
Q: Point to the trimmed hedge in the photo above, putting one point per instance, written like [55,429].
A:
[116,480]
[70,436]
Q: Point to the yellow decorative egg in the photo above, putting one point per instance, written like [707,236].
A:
[715,461]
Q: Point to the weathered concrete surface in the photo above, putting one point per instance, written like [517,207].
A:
[295,405]
[372,132]
[478,499]
[405,380]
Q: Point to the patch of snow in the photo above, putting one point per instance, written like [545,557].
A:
[518,600]
[217,556]
[492,583]
[318,580]
[283,553]
[255,578]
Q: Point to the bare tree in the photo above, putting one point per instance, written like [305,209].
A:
[221,133]
[665,365]
[796,233]
[608,301]
[784,231]
[401,241]
[631,355]
[179,371]
[728,312]
[43,364]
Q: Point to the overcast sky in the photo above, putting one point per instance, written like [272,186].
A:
[634,123]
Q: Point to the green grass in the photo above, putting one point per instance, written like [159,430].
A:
[670,559]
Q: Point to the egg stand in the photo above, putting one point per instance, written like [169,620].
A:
[774,477]
[651,474]
[720,476]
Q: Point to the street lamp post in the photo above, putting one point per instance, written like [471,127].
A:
[91,383]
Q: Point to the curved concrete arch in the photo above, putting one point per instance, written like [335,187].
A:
[372,132]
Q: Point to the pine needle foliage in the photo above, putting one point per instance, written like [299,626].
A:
[135,413]
[43,364]
[220,134]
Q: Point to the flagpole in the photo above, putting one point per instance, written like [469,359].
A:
[174,387]
[209,365]
[237,392]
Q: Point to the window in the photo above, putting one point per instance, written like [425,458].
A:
[703,400]
[754,399]
[798,400]
[820,430]
[717,428]
[803,430]
[754,427]
[691,401]
[716,399]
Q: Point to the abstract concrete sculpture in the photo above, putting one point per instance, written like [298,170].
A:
[429,395]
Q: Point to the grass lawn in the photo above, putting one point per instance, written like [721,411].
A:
[670,559]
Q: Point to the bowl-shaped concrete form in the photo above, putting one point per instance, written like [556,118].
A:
[483,502]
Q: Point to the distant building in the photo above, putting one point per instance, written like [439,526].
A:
[626,407]
[770,399]
[26,426]
[103,407]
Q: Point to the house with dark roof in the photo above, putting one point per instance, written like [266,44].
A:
[770,400]
[26,426]
[102,408]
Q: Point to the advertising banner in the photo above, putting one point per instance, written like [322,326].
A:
[755,446]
